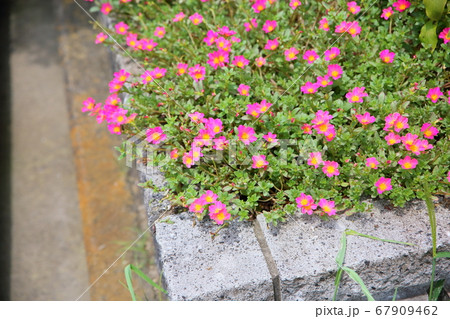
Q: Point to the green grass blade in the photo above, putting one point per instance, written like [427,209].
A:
[395,294]
[129,280]
[355,233]
[438,286]
[337,281]
[443,254]
[340,261]
[147,279]
[358,280]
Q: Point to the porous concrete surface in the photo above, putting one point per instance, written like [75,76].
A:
[304,249]
[196,267]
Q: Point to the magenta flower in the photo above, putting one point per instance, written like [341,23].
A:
[260,61]
[323,24]
[244,89]
[213,125]
[332,53]
[392,138]
[342,27]
[401,5]
[121,27]
[259,6]
[386,56]
[324,81]
[383,185]
[291,54]
[246,134]
[196,18]
[250,25]
[178,17]
[294,4]
[269,26]
[220,143]
[309,88]
[114,129]
[356,95]
[218,58]
[196,117]
[365,119]
[270,137]
[372,162]
[197,206]
[387,13]
[353,28]
[259,161]
[353,7]
[223,44]
[330,168]
[155,135]
[100,38]
[271,44]
[209,197]
[188,160]
[327,206]
[159,32]
[240,61]
[306,203]
[310,56]
[445,35]
[148,45]
[307,129]
[434,94]
[335,71]
[182,68]
[197,72]
[315,159]
[408,163]
[211,37]
[429,131]
[106,8]
[218,212]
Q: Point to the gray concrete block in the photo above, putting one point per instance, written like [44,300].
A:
[305,247]
[195,267]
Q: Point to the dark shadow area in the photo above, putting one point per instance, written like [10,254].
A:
[5,153]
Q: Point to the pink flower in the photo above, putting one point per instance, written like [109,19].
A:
[309,88]
[182,68]
[323,24]
[155,135]
[353,28]
[332,53]
[401,123]
[253,109]
[106,8]
[448,176]
[223,44]
[383,185]
[196,18]
[330,168]
[159,32]
[209,197]
[310,56]
[119,117]
[246,134]
[353,7]
[132,40]
[158,73]
[250,25]
[324,81]
[113,99]
[114,129]
[196,117]
[204,137]
[211,37]
[213,125]
[335,71]
[147,77]
[259,161]
[356,95]
[121,75]
[218,58]
[188,160]
[327,206]
[342,27]
[218,212]
[445,35]
[89,105]
[269,26]
[429,131]
[434,94]
[271,44]
[100,38]
[197,72]
[322,117]
[306,203]
[220,143]
[178,17]
[270,137]
[174,153]
[386,56]
[260,61]
[196,152]
[392,138]
[244,89]
[294,4]
[148,45]
[401,5]
[197,206]
[225,31]
[307,129]
[121,27]
[259,6]
[372,162]
[291,54]
[115,86]
[366,118]
[240,61]
[387,13]
[408,163]
[315,159]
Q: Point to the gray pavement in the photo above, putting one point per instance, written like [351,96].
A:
[48,256]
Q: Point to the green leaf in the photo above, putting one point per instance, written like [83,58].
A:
[443,254]
[437,288]
[129,279]
[434,8]
[341,254]
[359,281]
[428,34]
[352,232]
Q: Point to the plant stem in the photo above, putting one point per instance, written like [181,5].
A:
[432,216]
